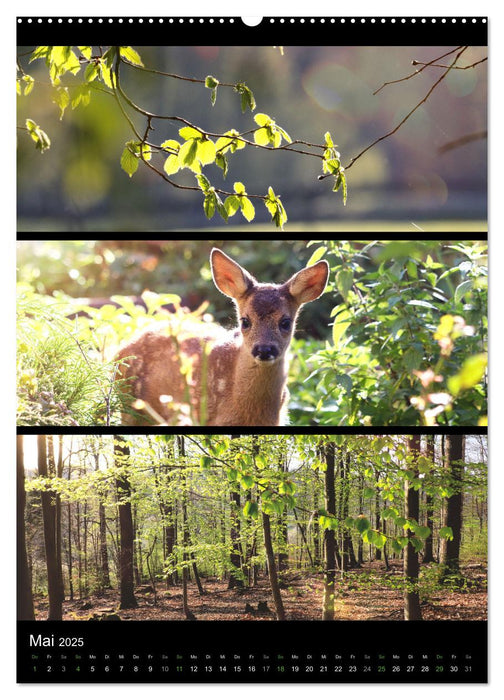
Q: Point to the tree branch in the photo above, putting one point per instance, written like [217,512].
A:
[411,112]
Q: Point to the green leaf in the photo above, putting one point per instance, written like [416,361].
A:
[106,74]
[247,208]
[398,544]
[421,302]
[416,543]
[129,161]
[171,145]
[317,255]
[446,532]
[232,204]
[81,95]
[211,82]
[368,493]
[262,137]
[188,132]
[471,373]
[42,140]
[247,98]
[250,509]
[204,183]
[263,119]
[91,72]
[222,162]
[86,51]
[344,281]
[205,151]
[29,83]
[129,54]
[61,97]
[328,140]
[239,188]
[362,523]
[275,208]
[340,326]
[171,165]
[463,289]
[246,481]
[422,532]
[187,153]
[209,205]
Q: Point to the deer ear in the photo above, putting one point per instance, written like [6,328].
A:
[309,284]
[229,277]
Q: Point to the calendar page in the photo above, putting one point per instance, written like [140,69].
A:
[259,457]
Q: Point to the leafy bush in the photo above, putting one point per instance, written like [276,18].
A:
[409,336]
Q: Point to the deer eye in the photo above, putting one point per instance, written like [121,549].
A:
[285,324]
[245,323]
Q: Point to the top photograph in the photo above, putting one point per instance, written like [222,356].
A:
[248,139]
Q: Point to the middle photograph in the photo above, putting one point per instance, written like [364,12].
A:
[252,333]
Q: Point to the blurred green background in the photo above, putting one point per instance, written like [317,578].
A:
[404,183]
[104,268]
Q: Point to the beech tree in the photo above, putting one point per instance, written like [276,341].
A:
[24,589]
[279,479]
[450,551]
[121,457]
[50,519]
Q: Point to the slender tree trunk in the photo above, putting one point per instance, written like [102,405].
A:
[412,609]
[127,593]
[54,579]
[24,589]
[272,571]
[104,575]
[316,530]
[428,556]
[78,545]
[329,536]
[283,556]
[70,552]
[347,555]
[235,579]
[378,551]
[185,537]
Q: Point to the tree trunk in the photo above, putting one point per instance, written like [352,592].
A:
[69,552]
[348,558]
[412,609]
[54,579]
[329,536]
[272,571]
[428,556]
[235,580]
[127,593]
[104,572]
[450,562]
[24,589]
[185,536]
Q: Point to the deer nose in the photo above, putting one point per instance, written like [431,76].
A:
[265,353]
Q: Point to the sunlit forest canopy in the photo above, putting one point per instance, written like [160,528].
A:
[433,168]
[306,525]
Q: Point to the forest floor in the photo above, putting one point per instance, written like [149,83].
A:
[368,593]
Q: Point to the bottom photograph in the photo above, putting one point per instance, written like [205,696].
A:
[294,557]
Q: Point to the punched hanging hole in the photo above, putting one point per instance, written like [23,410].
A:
[251,21]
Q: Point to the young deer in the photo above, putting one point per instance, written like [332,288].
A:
[235,377]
